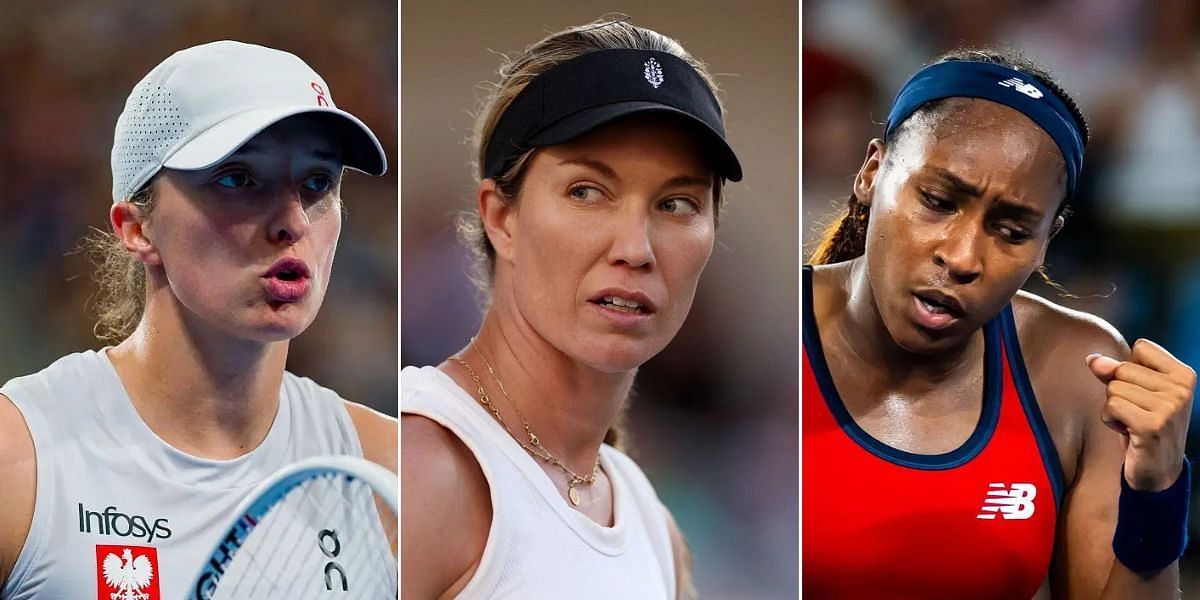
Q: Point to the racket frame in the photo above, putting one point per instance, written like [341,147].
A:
[270,492]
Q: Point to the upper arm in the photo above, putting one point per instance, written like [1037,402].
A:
[446,510]
[683,560]
[377,434]
[18,471]
[1083,553]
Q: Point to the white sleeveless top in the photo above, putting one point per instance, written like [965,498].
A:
[538,547]
[106,483]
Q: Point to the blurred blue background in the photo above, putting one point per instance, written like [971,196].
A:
[1131,252]
[714,417]
[67,68]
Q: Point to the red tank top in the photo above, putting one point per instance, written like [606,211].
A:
[977,522]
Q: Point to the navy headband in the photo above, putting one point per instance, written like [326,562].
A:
[586,92]
[1012,88]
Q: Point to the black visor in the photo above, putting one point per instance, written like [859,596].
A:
[584,93]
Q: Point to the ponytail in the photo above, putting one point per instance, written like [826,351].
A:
[846,238]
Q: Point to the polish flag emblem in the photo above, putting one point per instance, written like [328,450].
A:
[126,573]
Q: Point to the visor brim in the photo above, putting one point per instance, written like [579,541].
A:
[577,124]
[361,150]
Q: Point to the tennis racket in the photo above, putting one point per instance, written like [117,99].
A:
[324,527]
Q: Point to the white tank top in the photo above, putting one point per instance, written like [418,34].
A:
[538,547]
[106,483]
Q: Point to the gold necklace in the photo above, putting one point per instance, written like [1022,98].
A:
[534,445]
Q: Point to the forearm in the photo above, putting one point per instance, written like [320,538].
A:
[1124,583]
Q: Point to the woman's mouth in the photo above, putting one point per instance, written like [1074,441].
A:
[287,280]
[624,309]
[622,304]
[934,314]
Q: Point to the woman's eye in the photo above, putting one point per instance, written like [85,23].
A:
[233,180]
[936,203]
[319,183]
[584,192]
[679,206]
[1013,234]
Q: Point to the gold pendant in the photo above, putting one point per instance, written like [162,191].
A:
[573,494]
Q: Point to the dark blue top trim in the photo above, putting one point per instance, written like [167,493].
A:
[1037,424]
[993,382]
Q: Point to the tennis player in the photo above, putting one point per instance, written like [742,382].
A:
[122,466]
[963,438]
[602,159]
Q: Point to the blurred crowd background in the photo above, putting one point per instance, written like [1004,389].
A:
[714,417]
[67,70]
[1131,251]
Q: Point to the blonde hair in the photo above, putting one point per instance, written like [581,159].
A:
[605,33]
[121,300]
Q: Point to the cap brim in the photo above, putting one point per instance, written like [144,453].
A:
[575,125]
[361,150]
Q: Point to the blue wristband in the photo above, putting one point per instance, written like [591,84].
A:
[1152,526]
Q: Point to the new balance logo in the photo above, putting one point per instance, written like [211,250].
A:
[1025,88]
[1010,502]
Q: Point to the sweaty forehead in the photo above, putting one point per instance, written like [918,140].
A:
[983,142]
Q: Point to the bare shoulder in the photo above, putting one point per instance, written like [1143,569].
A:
[829,288]
[18,471]
[377,433]
[832,275]
[442,469]
[1055,341]
[446,510]
[1048,325]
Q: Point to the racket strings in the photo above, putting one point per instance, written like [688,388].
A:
[280,530]
[367,548]
[326,534]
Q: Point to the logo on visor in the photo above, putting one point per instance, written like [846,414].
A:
[653,73]
[1025,88]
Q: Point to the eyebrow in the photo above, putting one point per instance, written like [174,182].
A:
[607,171]
[594,165]
[965,187]
[958,183]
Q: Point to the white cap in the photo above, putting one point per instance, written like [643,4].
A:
[201,104]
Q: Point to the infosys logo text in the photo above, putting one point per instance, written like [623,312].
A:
[114,522]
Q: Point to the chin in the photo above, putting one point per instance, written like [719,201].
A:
[918,341]
[278,326]
[618,356]
[269,333]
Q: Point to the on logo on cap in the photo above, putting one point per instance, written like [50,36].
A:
[321,101]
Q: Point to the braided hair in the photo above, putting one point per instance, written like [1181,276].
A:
[846,238]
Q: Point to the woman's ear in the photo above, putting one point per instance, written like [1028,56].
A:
[1059,222]
[498,215]
[864,182]
[129,224]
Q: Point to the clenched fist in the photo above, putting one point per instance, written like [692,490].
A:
[1150,404]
